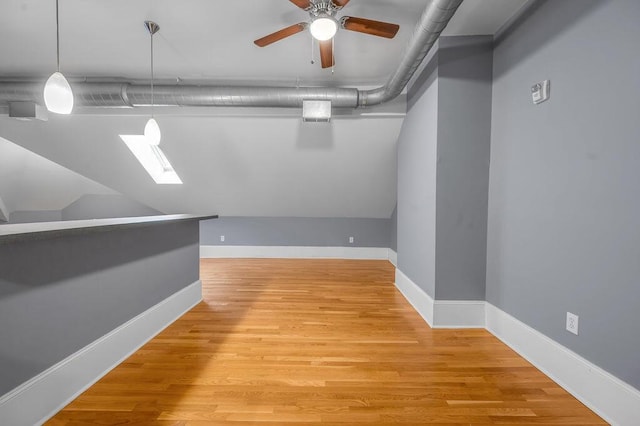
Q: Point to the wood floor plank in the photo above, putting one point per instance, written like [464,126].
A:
[318,342]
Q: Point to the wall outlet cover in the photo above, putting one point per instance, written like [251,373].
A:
[572,323]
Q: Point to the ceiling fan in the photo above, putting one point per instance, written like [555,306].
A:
[323,25]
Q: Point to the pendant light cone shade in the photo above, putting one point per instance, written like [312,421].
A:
[323,28]
[152,132]
[58,96]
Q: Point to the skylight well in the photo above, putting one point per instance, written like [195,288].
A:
[152,158]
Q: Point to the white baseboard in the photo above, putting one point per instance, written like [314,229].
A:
[459,314]
[416,296]
[38,399]
[380,253]
[393,257]
[612,399]
[441,313]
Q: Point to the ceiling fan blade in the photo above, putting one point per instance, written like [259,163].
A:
[302,4]
[279,35]
[368,26]
[326,53]
[339,3]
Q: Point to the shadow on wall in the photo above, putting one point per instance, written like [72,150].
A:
[568,13]
[46,261]
[455,53]
[315,136]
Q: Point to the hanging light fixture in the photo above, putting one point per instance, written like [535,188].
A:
[58,96]
[151,129]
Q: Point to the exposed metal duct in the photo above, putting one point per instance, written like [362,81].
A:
[434,19]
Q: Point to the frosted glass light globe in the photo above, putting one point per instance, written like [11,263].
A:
[58,96]
[323,28]
[152,132]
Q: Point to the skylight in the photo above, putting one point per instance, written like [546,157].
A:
[152,158]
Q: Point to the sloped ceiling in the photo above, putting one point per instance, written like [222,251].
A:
[31,182]
[258,166]
[265,163]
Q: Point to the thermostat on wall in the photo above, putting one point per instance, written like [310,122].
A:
[540,91]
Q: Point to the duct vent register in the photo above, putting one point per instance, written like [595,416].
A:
[316,111]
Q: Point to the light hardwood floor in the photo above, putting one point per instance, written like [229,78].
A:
[318,341]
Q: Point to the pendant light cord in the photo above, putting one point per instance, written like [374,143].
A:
[57,37]
[152,98]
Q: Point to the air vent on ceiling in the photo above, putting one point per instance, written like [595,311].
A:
[316,111]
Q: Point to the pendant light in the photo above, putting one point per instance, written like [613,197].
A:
[151,129]
[58,96]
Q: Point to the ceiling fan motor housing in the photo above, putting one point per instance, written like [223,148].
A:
[323,8]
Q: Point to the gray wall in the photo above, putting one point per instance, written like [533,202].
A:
[464,137]
[296,231]
[443,171]
[101,206]
[58,294]
[564,198]
[417,157]
[393,232]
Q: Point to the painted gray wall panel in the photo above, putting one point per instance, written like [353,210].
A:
[296,231]
[59,294]
[29,216]
[417,151]
[564,198]
[393,237]
[101,206]
[464,137]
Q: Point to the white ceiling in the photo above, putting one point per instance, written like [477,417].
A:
[253,164]
[205,39]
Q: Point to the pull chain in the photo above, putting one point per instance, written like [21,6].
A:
[312,56]
[333,56]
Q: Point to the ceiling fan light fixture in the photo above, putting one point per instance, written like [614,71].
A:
[323,28]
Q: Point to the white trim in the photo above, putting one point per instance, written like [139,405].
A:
[17,229]
[393,257]
[459,314]
[4,211]
[416,296]
[380,253]
[441,313]
[614,400]
[38,399]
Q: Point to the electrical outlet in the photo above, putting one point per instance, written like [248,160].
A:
[222,238]
[572,323]
[350,240]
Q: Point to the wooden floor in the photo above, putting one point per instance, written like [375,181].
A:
[318,341]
